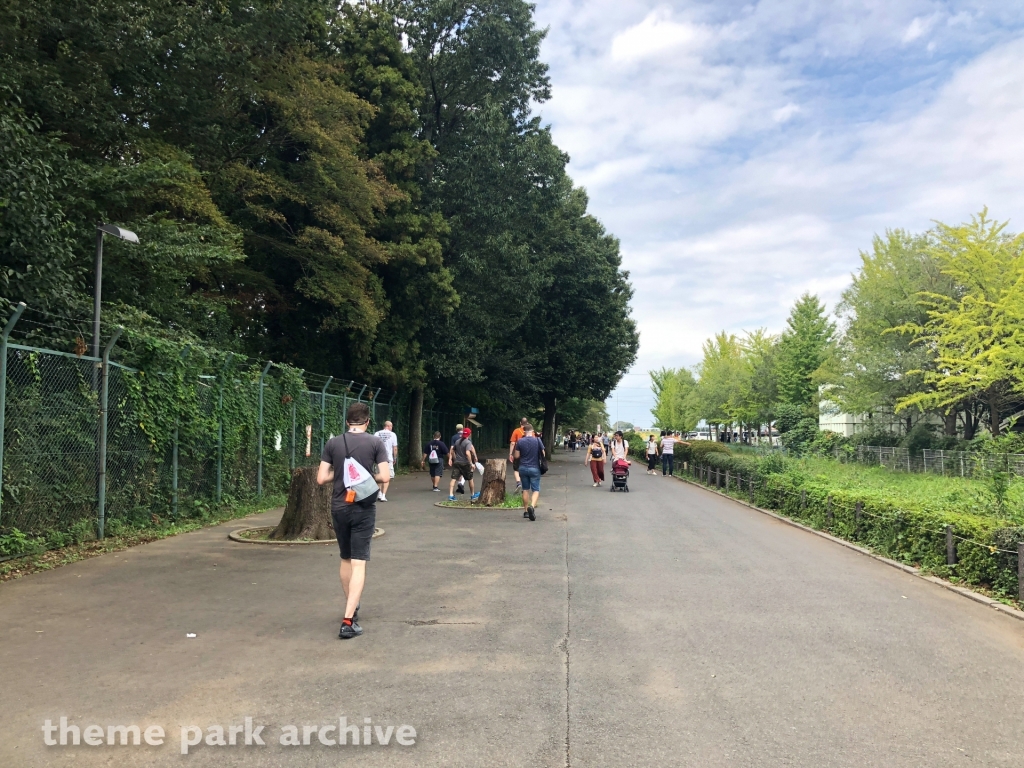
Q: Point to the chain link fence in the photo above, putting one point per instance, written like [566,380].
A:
[237,433]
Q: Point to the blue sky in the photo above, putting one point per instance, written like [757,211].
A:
[746,152]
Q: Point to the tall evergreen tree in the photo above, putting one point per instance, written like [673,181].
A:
[804,346]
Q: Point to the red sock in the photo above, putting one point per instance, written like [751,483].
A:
[347,622]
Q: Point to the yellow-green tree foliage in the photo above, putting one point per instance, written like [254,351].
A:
[974,335]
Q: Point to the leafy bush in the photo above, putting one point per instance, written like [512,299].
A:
[698,449]
[17,543]
[920,437]
[801,438]
[788,416]
[874,436]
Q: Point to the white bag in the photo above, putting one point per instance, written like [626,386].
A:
[358,479]
[479,467]
[432,458]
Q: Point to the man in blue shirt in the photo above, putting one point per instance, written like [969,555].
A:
[529,450]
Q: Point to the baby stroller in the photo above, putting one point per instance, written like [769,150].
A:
[620,475]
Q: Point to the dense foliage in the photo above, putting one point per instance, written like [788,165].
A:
[360,189]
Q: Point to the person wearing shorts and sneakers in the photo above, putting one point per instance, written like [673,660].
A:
[434,453]
[390,440]
[461,459]
[353,519]
[517,433]
[529,450]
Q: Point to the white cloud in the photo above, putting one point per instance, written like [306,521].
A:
[680,122]
[918,28]
[656,34]
[783,114]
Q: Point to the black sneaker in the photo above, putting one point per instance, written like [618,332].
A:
[355,616]
[530,512]
[526,513]
[348,631]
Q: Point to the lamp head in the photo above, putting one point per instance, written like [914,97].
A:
[123,234]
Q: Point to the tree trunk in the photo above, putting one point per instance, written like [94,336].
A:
[949,423]
[993,413]
[494,482]
[549,423]
[970,425]
[416,426]
[307,514]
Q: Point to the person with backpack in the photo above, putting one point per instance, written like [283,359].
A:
[531,457]
[434,454]
[596,458]
[349,462]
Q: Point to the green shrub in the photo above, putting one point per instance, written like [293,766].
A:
[800,439]
[919,438]
[82,531]
[698,449]
[17,543]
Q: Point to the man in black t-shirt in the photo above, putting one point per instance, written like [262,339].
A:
[353,520]
[435,451]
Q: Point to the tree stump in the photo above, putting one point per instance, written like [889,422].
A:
[307,514]
[494,482]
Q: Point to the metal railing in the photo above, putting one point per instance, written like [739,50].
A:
[946,463]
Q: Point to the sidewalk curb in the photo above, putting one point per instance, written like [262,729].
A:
[909,569]
[234,536]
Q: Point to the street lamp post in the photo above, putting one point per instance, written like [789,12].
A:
[123,234]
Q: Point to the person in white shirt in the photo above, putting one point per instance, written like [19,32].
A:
[390,440]
[652,455]
[668,443]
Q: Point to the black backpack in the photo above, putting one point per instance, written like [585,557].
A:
[596,452]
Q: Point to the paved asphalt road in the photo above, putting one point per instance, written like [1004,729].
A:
[666,627]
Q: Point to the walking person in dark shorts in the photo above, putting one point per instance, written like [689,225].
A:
[529,450]
[354,507]
[461,459]
[435,452]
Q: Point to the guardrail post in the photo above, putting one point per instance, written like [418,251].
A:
[323,413]
[220,425]
[259,444]
[8,327]
[727,481]
[750,488]
[292,463]
[829,515]
[101,484]
[174,455]
[950,546]
[1020,571]
[803,500]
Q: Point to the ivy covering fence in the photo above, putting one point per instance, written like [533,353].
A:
[184,428]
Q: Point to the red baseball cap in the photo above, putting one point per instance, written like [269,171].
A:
[467,432]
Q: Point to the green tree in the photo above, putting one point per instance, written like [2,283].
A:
[805,345]
[675,399]
[720,377]
[975,334]
[875,366]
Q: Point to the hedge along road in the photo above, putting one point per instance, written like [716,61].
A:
[664,627]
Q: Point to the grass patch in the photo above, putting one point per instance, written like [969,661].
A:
[511,501]
[123,536]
